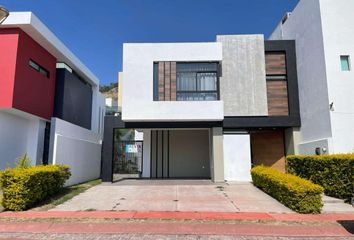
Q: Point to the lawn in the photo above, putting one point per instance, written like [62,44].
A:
[64,195]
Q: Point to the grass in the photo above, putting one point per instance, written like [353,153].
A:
[64,195]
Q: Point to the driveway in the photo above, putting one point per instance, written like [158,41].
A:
[174,195]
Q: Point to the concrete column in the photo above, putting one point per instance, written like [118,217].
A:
[146,153]
[217,155]
[292,140]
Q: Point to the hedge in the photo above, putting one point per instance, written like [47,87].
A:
[335,173]
[24,187]
[294,192]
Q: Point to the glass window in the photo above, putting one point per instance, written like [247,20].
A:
[207,81]
[197,82]
[38,68]
[44,72]
[34,65]
[345,64]
[186,81]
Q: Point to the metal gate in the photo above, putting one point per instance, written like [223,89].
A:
[129,157]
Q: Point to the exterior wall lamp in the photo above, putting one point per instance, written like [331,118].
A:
[4,13]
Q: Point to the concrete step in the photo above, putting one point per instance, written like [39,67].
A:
[335,205]
[327,199]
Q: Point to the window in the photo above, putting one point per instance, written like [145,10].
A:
[197,82]
[345,63]
[38,68]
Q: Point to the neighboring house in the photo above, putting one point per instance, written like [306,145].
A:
[324,34]
[111,106]
[50,105]
[206,110]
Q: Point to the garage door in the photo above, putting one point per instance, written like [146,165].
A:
[180,154]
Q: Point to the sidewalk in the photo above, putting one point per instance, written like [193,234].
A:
[165,228]
[206,224]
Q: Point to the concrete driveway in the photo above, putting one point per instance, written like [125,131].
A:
[174,195]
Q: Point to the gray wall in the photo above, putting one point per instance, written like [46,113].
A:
[243,83]
[180,154]
[73,99]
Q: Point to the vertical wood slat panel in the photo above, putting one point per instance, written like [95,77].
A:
[173,81]
[275,63]
[277,95]
[268,149]
[161,81]
[167,81]
[167,89]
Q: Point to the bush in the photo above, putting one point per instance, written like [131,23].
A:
[335,173]
[23,161]
[24,187]
[296,193]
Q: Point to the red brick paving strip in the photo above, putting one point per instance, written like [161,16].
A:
[176,229]
[181,215]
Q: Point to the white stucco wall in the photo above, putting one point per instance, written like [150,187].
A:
[309,148]
[77,147]
[98,107]
[237,157]
[338,38]
[35,144]
[20,134]
[137,94]
[146,153]
[305,26]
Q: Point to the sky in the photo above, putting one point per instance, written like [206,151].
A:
[95,30]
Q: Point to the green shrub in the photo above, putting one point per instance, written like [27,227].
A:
[23,161]
[24,187]
[294,192]
[335,173]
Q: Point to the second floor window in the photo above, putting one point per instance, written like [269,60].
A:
[38,68]
[197,82]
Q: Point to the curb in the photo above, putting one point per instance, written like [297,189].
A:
[182,215]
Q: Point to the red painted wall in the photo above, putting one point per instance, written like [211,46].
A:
[8,53]
[31,92]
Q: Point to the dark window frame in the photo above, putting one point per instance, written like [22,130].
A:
[41,70]
[217,91]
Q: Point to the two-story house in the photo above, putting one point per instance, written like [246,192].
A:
[206,110]
[50,105]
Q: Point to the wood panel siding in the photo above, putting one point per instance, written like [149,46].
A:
[173,81]
[268,149]
[277,95]
[275,63]
[167,81]
[277,90]
[161,81]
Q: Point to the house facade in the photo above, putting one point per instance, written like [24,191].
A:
[206,110]
[324,35]
[50,106]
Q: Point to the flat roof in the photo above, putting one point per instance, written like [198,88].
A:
[37,30]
